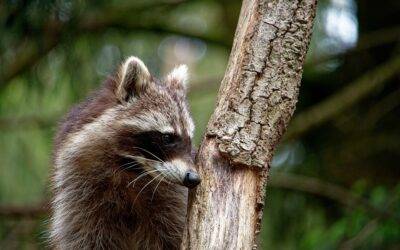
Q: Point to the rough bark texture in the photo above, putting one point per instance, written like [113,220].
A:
[256,100]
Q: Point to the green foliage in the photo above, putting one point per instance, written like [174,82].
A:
[300,222]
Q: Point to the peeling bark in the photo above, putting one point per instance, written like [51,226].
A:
[256,100]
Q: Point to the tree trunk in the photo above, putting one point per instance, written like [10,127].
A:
[256,100]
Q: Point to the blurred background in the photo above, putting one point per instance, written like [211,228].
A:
[334,179]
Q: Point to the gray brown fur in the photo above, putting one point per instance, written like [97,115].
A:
[93,208]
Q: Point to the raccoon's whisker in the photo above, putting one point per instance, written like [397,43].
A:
[140,157]
[174,174]
[148,183]
[168,182]
[155,156]
[146,159]
[155,189]
[140,176]
[144,173]
[133,166]
[128,165]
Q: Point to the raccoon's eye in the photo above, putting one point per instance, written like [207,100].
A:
[167,139]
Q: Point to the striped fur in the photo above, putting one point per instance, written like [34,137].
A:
[109,193]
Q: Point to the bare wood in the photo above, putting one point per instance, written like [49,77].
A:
[256,100]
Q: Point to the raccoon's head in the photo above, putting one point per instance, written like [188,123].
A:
[153,129]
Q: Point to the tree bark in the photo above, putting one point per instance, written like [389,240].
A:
[256,100]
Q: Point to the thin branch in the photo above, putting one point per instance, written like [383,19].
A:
[28,53]
[314,186]
[367,230]
[31,51]
[295,182]
[381,108]
[344,99]
[365,42]
[31,211]
[44,121]
[324,189]
[304,121]
[41,121]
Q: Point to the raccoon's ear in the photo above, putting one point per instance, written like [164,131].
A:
[133,77]
[177,79]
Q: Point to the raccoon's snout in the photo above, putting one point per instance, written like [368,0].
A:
[181,171]
[192,179]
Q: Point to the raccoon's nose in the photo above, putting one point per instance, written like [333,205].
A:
[191,180]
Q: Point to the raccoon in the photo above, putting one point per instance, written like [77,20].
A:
[123,163]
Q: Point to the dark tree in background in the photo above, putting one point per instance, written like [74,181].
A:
[334,179]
